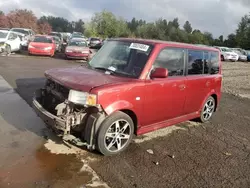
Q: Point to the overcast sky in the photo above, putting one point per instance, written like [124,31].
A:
[216,16]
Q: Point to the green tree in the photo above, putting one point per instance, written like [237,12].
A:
[106,24]
[243,31]
[79,26]
[231,41]
[187,27]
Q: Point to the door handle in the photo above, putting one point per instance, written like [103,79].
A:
[182,86]
[207,83]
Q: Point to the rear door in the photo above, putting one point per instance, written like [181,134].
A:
[199,82]
[165,97]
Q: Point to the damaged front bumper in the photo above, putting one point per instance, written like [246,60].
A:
[63,126]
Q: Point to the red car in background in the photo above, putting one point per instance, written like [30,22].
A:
[77,49]
[42,45]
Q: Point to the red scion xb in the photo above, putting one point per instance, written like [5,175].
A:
[131,86]
[42,45]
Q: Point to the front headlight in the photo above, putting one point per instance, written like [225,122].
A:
[83,98]
[85,52]
[30,46]
[48,48]
[69,51]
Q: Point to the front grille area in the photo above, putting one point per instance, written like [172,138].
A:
[52,85]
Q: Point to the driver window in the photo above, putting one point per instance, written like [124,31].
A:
[121,53]
[11,36]
[171,59]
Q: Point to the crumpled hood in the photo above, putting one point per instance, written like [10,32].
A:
[83,79]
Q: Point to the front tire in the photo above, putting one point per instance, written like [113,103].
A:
[222,58]
[207,110]
[8,50]
[115,134]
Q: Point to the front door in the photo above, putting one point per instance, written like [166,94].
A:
[165,97]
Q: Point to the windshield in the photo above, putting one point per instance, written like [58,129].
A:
[123,58]
[56,39]
[237,52]
[21,31]
[95,39]
[42,39]
[3,35]
[76,35]
[78,43]
[226,50]
[55,34]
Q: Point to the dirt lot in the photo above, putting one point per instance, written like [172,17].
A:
[215,154]
[236,78]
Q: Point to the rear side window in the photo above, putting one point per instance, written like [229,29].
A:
[206,62]
[171,59]
[215,67]
[195,62]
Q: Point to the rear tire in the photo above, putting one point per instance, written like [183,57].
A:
[222,58]
[115,134]
[207,110]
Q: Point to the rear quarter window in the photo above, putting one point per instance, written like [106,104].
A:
[215,66]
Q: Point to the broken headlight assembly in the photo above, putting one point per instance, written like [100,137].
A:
[2,44]
[82,98]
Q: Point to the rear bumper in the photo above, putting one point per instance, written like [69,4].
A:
[231,58]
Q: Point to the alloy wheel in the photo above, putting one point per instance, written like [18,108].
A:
[208,109]
[117,135]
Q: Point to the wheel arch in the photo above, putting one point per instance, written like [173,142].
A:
[216,100]
[133,116]
[211,94]
[125,107]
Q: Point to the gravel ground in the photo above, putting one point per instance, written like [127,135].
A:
[236,78]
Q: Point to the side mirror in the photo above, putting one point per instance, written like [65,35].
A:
[159,73]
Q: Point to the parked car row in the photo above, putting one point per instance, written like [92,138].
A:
[233,54]
[74,46]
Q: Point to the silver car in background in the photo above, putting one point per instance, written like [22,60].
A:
[241,53]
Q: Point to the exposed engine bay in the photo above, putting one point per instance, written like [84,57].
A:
[77,122]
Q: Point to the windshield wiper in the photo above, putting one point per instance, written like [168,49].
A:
[114,72]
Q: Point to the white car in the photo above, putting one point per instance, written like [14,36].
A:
[227,54]
[9,41]
[28,35]
[242,57]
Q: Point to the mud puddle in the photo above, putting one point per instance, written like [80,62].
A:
[50,170]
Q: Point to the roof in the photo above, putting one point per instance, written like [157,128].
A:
[78,38]
[4,31]
[48,36]
[26,29]
[177,44]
